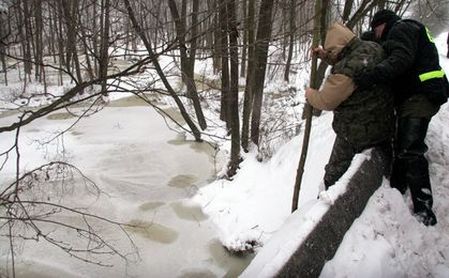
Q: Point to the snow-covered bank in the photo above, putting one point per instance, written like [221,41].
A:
[257,202]
[386,241]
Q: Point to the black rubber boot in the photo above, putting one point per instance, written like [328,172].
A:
[427,217]
[397,179]
[419,183]
[410,168]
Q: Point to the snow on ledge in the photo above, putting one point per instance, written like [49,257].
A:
[284,242]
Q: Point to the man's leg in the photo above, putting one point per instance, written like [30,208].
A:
[386,150]
[411,167]
[339,161]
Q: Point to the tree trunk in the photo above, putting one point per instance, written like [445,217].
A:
[70,10]
[2,56]
[291,36]
[38,43]
[261,55]
[224,64]
[188,63]
[152,56]
[94,40]
[192,92]
[319,12]
[3,34]
[52,40]
[104,56]
[216,58]
[25,37]
[86,49]
[233,103]
[245,39]
[347,10]
[248,97]
[60,38]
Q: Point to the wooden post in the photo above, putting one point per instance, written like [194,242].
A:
[308,109]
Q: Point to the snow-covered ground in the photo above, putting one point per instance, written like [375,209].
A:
[150,181]
[385,241]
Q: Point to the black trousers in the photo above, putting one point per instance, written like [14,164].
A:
[410,167]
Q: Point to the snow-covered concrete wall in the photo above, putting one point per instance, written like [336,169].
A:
[311,237]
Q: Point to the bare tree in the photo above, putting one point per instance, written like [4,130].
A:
[224,54]
[260,61]
[3,42]
[104,48]
[34,210]
[233,103]
[292,25]
[188,63]
[153,58]
[248,97]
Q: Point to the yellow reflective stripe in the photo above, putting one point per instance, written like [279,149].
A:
[429,35]
[431,75]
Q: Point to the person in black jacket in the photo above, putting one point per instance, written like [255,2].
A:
[420,87]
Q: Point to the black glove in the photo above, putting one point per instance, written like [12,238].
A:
[365,79]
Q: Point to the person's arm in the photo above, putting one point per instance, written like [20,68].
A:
[335,90]
[401,47]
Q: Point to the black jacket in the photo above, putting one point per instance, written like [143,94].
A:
[411,53]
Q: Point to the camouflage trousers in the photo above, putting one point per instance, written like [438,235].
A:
[342,154]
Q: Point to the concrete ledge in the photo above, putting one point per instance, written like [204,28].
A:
[320,243]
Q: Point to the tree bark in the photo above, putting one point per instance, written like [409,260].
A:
[216,56]
[347,10]
[104,56]
[233,103]
[70,9]
[224,64]
[245,39]
[319,12]
[291,43]
[3,36]
[261,55]
[188,63]
[248,96]
[25,36]
[38,37]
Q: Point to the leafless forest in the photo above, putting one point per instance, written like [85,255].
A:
[92,48]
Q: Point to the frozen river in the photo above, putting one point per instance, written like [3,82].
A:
[147,174]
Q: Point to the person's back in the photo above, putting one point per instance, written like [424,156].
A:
[363,118]
[420,86]
[366,117]
[415,69]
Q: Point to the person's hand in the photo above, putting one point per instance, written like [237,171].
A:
[310,91]
[319,52]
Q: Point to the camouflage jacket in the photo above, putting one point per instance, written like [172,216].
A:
[366,116]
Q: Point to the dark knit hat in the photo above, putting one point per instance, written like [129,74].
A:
[383,16]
